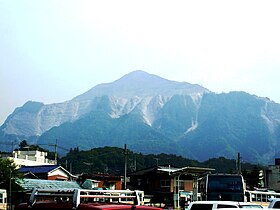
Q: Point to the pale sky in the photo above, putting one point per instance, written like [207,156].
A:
[54,50]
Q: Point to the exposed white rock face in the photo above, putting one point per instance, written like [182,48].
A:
[149,106]
[138,90]
[27,123]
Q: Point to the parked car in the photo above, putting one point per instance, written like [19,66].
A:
[210,205]
[249,205]
[274,203]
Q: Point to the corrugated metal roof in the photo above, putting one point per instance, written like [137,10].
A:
[29,184]
[192,171]
[154,169]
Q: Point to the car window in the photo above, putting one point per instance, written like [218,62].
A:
[276,205]
[220,206]
[250,206]
[201,206]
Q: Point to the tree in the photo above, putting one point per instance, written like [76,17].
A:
[8,175]
[23,144]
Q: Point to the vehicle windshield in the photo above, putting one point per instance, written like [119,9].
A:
[225,184]
[250,206]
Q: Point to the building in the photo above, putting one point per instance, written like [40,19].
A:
[104,181]
[29,184]
[31,158]
[167,184]
[47,172]
[272,176]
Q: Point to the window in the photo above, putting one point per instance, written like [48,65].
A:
[202,207]
[181,185]
[165,183]
[219,206]
[276,205]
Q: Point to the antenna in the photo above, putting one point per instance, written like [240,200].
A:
[56,147]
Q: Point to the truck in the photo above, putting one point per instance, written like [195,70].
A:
[82,199]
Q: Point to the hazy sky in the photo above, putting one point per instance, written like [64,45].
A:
[53,50]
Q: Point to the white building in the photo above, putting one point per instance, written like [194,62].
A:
[31,158]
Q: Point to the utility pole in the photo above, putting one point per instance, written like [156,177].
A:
[55,146]
[156,160]
[125,165]
[55,150]
[238,163]
[135,164]
[10,186]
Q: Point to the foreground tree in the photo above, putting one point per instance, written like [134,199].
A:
[8,175]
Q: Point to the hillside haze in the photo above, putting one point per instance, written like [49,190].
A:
[154,115]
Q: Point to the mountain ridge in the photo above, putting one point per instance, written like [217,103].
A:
[154,115]
[140,83]
[81,105]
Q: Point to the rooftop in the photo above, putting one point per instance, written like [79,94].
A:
[30,184]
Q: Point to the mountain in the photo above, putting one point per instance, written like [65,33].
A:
[154,115]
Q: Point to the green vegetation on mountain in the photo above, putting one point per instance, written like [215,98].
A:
[230,123]
[111,160]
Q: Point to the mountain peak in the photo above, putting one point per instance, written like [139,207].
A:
[141,83]
[137,73]
[140,76]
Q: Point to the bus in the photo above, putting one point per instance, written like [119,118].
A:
[261,197]
[3,199]
[224,187]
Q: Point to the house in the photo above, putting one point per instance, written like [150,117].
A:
[272,176]
[29,184]
[43,177]
[167,184]
[101,180]
[47,172]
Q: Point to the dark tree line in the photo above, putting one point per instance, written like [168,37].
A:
[111,160]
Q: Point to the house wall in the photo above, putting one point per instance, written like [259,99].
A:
[172,185]
[58,175]
[273,177]
[188,185]
[117,185]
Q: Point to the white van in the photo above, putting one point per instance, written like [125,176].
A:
[210,205]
